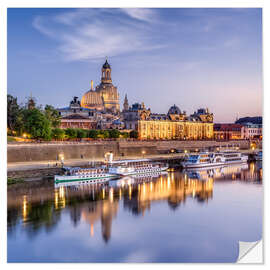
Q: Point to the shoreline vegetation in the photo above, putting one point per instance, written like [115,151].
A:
[12,181]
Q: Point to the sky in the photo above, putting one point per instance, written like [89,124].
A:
[193,57]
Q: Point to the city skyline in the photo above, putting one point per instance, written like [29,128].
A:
[187,57]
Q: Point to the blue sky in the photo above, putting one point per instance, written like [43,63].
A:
[189,57]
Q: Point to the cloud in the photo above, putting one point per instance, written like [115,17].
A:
[231,43]
[38,24]
[90,34]
[143,14]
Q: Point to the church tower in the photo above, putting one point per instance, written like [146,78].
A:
[105,96]
[106,73]
[126,106]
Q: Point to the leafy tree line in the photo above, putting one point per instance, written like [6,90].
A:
[40,123]
[37,123]
[77,133]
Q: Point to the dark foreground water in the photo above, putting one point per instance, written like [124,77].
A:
[177,217]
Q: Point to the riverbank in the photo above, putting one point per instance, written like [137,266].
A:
[95,150]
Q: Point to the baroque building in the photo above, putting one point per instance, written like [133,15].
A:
[173,125]
[105,97]
[75,116]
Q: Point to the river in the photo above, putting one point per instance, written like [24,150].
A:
[196,216]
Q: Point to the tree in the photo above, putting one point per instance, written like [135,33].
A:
[20,122]
[92,133]
[134,134]
[103,134]
[52,115]
[13,110]
[81,133]
[36,124]
[124,134]
[114,133]
[58,133]
[71,133]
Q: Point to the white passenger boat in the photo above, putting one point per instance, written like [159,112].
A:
[206,159]
[87,175]
[132,167]
[258,156]
[234,157]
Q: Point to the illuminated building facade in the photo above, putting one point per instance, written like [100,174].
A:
[173,125]
[75,116]
[252,131]
[228,131]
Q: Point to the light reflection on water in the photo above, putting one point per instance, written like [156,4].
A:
[193,216]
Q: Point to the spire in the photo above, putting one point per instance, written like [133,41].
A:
[92,85]
[126,106]
[106,64]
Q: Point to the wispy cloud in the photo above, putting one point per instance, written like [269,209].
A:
[39,25]
[143,14]
[232,43]
[89,34]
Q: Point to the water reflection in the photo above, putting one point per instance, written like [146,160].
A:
[100,202]
[39,206]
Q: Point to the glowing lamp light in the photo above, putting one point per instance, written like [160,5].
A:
[61,157]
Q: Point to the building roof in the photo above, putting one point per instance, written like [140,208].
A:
[227,127]
[106,64]
[74,116]
[174,110]
[91,99]
[158,116]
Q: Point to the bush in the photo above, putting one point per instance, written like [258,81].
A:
[58,134]
[114,133]
[81,133]
[103,134]
[11,139]
[71,133]
[134,134]
[92,133]
[125,135]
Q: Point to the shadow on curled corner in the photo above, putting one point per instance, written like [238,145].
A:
[250,252]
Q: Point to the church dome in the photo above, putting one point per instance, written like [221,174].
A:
[106,65]
[174,110]
[92,100]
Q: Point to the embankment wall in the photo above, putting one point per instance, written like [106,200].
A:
[90,150]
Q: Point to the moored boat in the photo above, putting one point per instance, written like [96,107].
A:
[207,159]
[234,157]
[258,156]
[132,167]
[87,175]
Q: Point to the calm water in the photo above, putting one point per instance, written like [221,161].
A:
[176,217]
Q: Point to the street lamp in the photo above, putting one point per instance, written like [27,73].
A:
[62,158]
[143,153]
